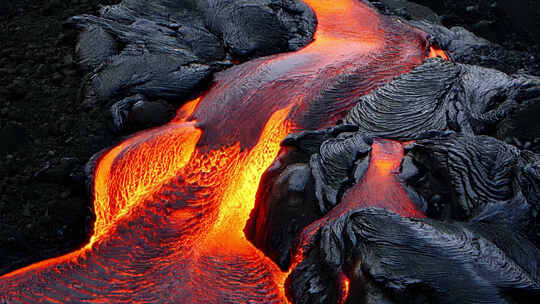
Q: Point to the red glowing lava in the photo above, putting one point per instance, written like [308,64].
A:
[380,187]
[171,202]
[345,287]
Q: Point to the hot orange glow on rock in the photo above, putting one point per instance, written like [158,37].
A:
[345,288]
[435,52]
[186,110]
[171,202]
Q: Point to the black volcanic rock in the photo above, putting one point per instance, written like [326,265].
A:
[484,178]
[406,9]
[136,113]
[13,137]
[284,206]
[291,194]
[169,49]
[487,250]
[440,262]
[524,14]
[263,27]
[334,167]
[465,47]
[95,46]
[445,96]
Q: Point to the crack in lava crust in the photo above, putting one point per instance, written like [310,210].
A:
[171,203]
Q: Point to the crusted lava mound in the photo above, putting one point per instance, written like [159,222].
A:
[323,152]
[407,200]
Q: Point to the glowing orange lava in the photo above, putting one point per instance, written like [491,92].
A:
[380,186]
[171,202]
[435,52]
[345,288]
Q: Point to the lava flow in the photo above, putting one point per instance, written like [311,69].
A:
[380,187]
[171,202]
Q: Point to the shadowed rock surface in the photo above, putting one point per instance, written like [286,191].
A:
[493,33]
[485,179]
[293,192]
[440,262]
[465,47]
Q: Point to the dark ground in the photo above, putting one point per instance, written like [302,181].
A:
[47,134]
[514,24]
[42,123]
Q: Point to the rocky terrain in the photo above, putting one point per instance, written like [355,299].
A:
[46,134]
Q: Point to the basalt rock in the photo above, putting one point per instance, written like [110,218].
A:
[460,44]
[487,253]
[445,96]
[169,49]
[484,178]
[285,205]
[465,47]
[438,262]
[95,46]
[292,192]
[403,260]
[406,10]
[334,168]
[136,113]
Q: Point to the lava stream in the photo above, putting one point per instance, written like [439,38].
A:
[171,202]
[380,187]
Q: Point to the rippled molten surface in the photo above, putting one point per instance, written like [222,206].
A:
[171,203]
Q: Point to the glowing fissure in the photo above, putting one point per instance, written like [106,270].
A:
[345,288]
[171,202]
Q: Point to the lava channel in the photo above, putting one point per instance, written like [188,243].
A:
[171,202]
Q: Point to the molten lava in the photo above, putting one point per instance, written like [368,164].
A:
[380,187]
[171,202]
[435,52]
[345,285]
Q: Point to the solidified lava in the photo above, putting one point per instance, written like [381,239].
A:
[447,215]
[376,187]
[377,243]
[171,203]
